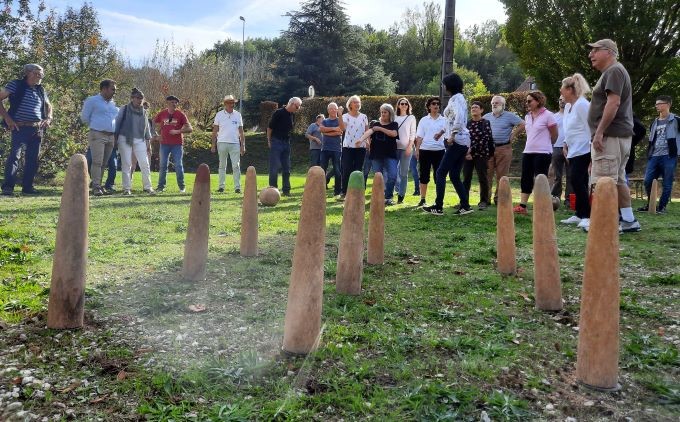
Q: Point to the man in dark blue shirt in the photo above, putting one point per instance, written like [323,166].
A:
[29,114]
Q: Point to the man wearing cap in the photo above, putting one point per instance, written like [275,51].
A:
[172,124]
[29,114]
[228,140]
[610,118]
[99,114]
[278,140]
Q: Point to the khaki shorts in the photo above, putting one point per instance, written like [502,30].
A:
[611,162]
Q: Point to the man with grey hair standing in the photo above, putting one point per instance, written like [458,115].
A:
[610,118]
[505,126]
[29,114]
[278,141]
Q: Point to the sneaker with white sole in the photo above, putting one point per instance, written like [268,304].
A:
[630,226]
[434,210]
[584,223]
[571,220]
[464,211]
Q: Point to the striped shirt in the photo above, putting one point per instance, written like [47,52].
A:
[31,105]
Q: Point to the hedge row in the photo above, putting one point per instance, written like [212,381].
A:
[370,106]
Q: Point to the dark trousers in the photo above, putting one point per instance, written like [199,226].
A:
[112,166]
[560,166]
[334,157]
[352,160]
[31,138]
[481,165]
[428,161]
[451,165]
[279,158]
[578,167]
[533,165]
[314,157]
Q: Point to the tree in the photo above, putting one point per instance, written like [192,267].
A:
[550,38]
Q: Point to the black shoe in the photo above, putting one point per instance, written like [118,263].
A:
[237,190]
[220,190]
[463,211]
[416,193]
[160,189]
[30,191]
[482,206]
[286,194]
[434,210]
[661,210]
[7,192]
[389,202]
[110,190]
[400,199]
[644,208]
[422,202]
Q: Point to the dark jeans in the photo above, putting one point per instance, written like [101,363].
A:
[112,166]
[334,157]
[451,165]
[533,165]
[314,157]
[578,167]
[560,166]
[29,136]
[352,160]
[279,158]
[414,174]
[481,165]
[661,166]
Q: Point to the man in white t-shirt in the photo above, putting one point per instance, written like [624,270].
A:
[228,140]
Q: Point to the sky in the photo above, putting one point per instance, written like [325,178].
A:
[133,26]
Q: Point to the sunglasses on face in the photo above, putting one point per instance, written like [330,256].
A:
[401,104]
[530,101]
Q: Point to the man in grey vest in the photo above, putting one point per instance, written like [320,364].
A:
[29,114]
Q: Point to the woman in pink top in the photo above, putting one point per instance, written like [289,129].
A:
[541,130]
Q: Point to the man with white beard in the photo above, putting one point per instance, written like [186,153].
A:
[505,126]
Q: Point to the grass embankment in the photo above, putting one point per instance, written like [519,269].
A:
[436,335]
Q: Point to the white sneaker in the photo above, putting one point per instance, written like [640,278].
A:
[571,220]
[585,223]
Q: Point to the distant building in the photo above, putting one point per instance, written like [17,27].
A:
[529,84]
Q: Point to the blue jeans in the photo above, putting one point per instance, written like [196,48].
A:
[177,151]
[388,168]
[451,165]
[112,166]
[414,174]
[279,158]
[663,166]
[29,136]
[314,157]
[334,157]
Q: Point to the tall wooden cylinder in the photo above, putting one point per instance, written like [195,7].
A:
[69,264]
[505,230]
[350,266]
[196,245]
[653,196]
[305,294]
[598,338]
[376,222]
[547,285]
[249,215]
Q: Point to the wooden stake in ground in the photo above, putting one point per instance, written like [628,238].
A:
[249,215]
[196,245]
[653,195]
[350,268]
[67,289]
[547,285]
[505,230]
[376,222]
[598,338]
[305,294]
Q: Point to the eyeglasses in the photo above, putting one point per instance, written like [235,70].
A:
[661,103]
[401,104]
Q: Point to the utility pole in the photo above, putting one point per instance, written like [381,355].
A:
[447,44]
[243,52]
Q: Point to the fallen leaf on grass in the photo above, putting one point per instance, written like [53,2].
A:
[99,399]
[369,302]
[121,375]
[661,331]
[17,380]
[525,296]
[199,307]
[71,387]
[143,350]
[413,261]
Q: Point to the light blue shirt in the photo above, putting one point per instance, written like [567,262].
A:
[99,114]
[502,125]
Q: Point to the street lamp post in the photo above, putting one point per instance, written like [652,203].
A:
[243,50]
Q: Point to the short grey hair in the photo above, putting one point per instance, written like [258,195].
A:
[332,103]
[295,100]
[500,98]
[389,109]
[30,68]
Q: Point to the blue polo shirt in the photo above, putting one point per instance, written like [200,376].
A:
[502,126]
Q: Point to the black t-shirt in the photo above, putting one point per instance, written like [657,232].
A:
[383,146]
[281,124]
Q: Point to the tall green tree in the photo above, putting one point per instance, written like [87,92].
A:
[550,39]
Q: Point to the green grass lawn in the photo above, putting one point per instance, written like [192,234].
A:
[436,335]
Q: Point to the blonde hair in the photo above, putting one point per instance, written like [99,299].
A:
[578,83]
[353,98]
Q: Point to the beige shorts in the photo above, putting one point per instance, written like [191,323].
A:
[611,162]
